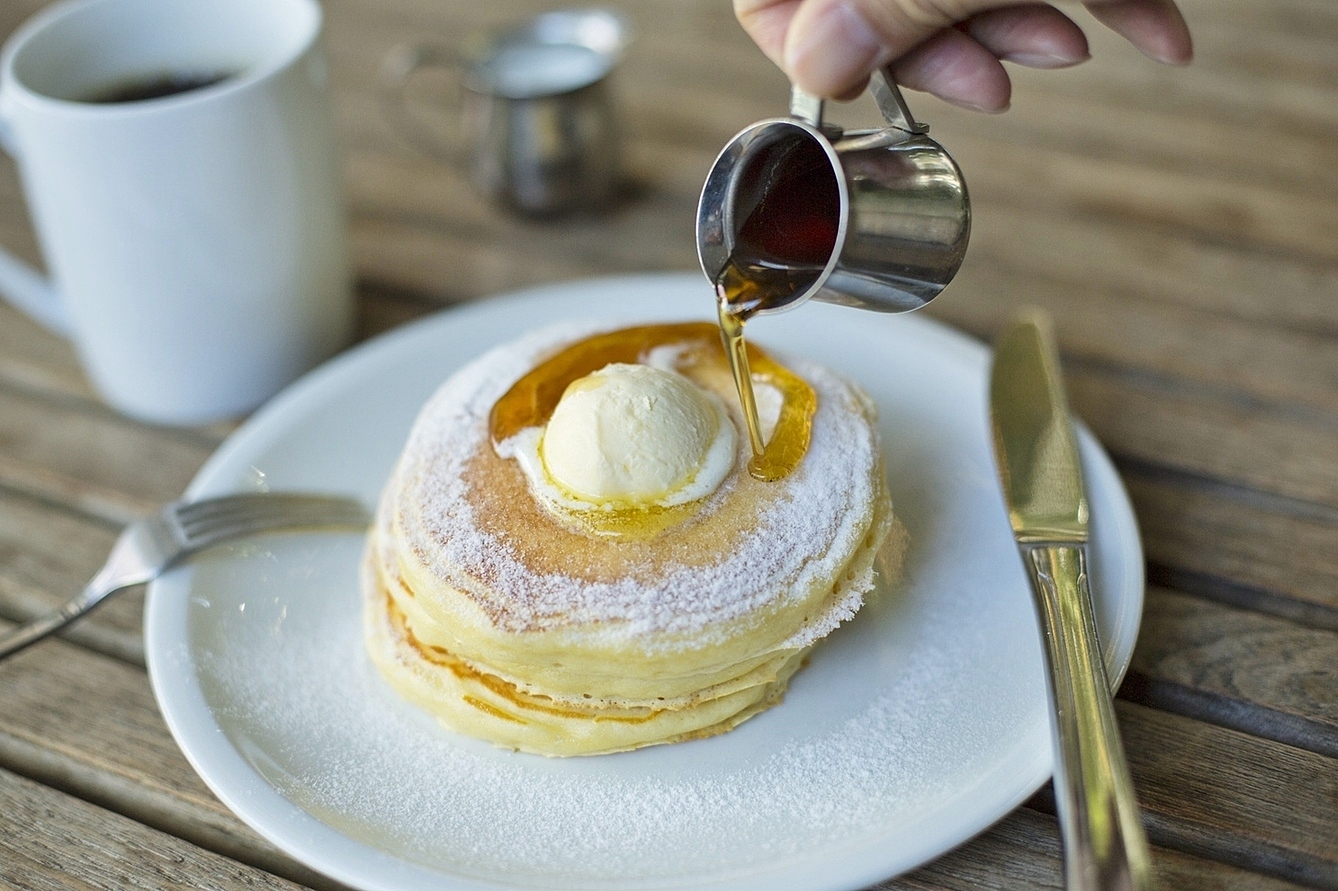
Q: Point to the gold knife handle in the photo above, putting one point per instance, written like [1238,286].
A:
[1105,848]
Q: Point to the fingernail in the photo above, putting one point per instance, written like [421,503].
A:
[1171,54]
[836,51]
[970,105]
[1045,60]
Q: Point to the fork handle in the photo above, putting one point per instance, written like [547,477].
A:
[33,630]
[1104,845]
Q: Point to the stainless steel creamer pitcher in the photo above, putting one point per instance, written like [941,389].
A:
[876,219]
[537,109]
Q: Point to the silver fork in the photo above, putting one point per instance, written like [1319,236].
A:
[148,547]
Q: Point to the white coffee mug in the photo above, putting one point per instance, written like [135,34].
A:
[196,241]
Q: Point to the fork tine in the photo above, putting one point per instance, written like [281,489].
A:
[246,507]
[209,520]
[204,508]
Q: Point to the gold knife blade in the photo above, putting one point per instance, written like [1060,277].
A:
[1039,465]
[1041,474]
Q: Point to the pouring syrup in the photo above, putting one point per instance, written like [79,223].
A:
[791,211]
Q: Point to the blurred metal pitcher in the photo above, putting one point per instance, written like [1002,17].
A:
[875,219]
[537,111]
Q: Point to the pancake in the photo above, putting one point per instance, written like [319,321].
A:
[530,627]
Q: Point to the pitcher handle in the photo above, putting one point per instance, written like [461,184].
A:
[22,285]
[806,107]
[887,94]
[400,64]
[809,108]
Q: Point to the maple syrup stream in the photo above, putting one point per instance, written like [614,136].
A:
[782,246]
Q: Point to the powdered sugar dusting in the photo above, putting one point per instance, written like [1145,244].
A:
[805,535]
[333,738]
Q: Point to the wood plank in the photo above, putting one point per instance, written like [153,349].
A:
[1120,318]
[1276,59]
[1225,795]
[54,842]
[1147,265]
[1216,542]
[1197,131]
[1195,389]
[13,13]
[359,39]
[1235,668]
[34,358]
[708,31]
[407,258]
[84,455]
[451,264]
[1086,123]
[413,190]
[1213,207]
[1210,434]
[381,309]
[1115,320]
[1022,851]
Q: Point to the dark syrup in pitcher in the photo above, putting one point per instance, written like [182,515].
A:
[790,209]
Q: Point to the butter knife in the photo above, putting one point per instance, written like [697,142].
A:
[1041,475]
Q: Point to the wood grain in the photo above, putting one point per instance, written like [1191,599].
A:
[1236,546]
[72,452]
[55,842]
[1023,851]
[1255,673]
[1242,786]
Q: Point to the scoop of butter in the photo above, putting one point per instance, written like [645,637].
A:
[637,436]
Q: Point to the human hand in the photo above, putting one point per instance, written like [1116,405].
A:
[951,48]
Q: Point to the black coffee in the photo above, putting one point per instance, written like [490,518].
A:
[156,86]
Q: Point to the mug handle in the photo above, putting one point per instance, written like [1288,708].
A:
[22,285]
[809,108]
[398,67]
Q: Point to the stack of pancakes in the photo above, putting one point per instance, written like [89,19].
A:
[510,623]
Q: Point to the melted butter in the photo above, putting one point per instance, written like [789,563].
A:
[637,524]
[531,400]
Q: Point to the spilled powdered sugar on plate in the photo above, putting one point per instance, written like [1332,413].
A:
[279,651]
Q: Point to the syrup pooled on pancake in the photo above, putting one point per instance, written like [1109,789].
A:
[568,631]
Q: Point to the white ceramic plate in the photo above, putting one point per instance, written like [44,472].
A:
[914,727]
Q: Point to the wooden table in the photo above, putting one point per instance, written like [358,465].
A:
[1181,226]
